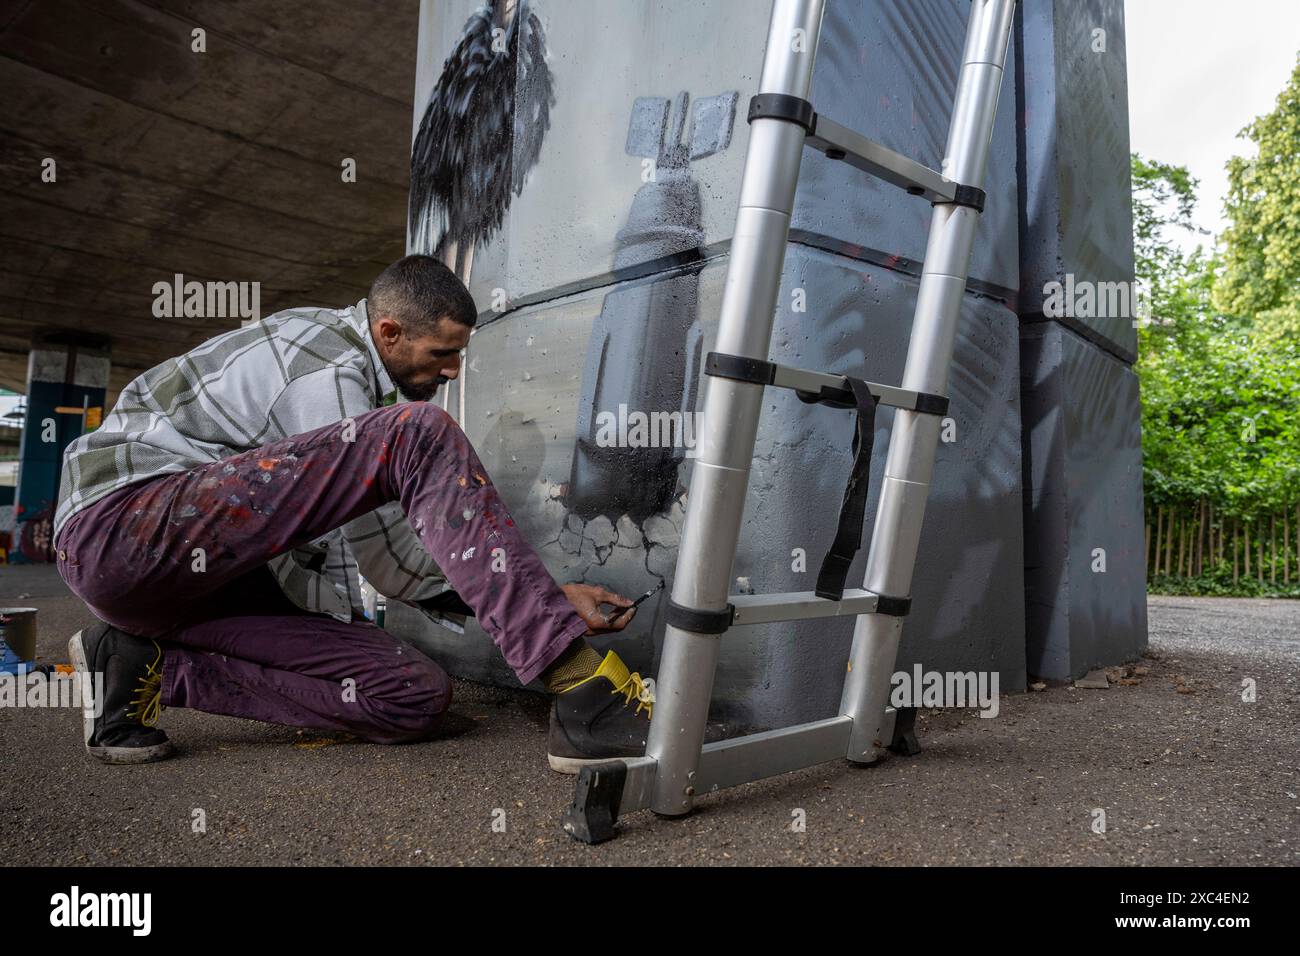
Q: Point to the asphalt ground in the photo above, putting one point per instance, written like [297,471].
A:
[1185,770]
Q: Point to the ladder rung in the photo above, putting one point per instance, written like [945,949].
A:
[834,388]
[800,605]
[840,142]
[818,386]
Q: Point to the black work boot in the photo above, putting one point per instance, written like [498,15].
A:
[123,731]
[601,718]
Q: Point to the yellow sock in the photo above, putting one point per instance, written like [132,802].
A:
[572,667]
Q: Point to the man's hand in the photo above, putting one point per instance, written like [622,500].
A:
[586,600]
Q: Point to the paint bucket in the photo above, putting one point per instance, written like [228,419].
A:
[17,636]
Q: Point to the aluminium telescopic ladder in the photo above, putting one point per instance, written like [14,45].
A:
[677,764]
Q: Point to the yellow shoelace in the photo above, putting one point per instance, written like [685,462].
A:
[641,690]
[148,695]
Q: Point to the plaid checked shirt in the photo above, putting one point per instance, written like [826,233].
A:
[289,373]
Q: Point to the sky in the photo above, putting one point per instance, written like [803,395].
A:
[1199,71]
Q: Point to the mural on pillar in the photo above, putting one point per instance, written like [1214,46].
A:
[481,132]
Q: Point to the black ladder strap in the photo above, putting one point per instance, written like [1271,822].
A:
[848,537]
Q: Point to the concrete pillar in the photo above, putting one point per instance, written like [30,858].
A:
[1085,582]
[66,383]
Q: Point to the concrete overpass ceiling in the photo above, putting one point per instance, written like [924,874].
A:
[224,165]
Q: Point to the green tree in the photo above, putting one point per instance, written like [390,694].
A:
[1220,441]
[1174,283]
[1261,276]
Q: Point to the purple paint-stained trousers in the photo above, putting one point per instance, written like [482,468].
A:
[235,645]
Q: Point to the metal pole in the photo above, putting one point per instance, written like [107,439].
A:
[725,449]
[915,437]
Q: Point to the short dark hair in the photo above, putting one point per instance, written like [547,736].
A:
[418,291]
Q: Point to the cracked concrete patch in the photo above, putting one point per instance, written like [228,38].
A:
[601,531]
[660,531]
[570,542]
[629,535]
[660,561]
[677,513]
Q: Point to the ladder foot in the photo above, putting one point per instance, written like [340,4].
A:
[594,811]
[905,743]
[673,816]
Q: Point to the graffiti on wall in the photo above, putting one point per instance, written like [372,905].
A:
[482,130]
